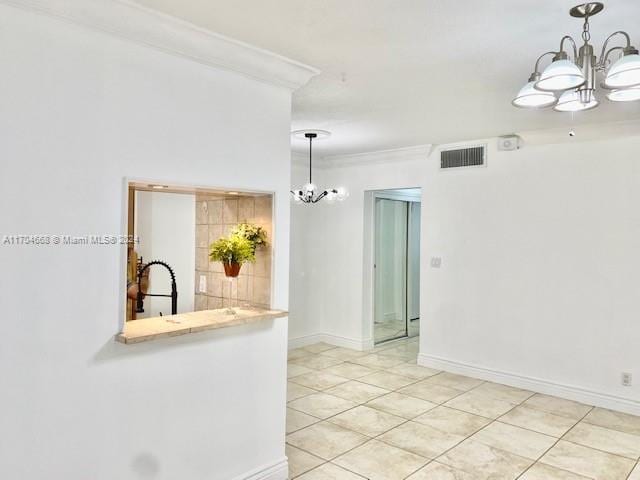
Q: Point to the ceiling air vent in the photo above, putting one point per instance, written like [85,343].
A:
[463,157]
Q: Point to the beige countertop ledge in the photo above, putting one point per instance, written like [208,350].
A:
[147,329]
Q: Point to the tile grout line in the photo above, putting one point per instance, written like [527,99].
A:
[492,421]
[582,420]
[598,449]
[297,430]
[347,381]
[554,444]
[360,381]
[429,460]
[509,411]
[403,423]
[369,438]
[438,404]
[324,462]
[468,436]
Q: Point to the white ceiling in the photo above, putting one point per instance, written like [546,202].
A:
[397,73]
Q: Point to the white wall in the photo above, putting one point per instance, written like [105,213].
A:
[539,280]
[166,229]
[81,111]
[306,310]
[540,265]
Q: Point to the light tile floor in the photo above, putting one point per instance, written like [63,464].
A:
[377,415]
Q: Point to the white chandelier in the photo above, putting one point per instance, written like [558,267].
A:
[569,84]
[309,193]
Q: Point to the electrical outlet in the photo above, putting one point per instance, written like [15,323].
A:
[436,262]
[202,286]
[627,379]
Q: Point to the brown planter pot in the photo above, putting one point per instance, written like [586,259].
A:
[231,269]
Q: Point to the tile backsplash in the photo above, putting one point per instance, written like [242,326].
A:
[215,217]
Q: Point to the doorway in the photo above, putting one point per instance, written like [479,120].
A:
[396,282]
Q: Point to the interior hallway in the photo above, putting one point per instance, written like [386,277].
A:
[378,415]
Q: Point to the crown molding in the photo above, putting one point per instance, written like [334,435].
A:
[418,152]
[585,133]
[145,26]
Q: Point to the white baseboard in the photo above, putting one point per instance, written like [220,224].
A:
[336,340]
[538,385]
[275,471]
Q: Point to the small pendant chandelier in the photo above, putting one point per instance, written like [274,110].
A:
[569,83]
[309,192]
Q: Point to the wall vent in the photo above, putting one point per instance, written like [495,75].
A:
[463,157]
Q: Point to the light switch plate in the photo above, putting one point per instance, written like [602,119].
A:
[202,285]
[436,262]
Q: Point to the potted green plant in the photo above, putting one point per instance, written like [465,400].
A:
[254,233]
[232,251]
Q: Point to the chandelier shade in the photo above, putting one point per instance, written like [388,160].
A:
[624,73]
[529,97]
[570,101]
[337,194]
[560,75]
[625,94]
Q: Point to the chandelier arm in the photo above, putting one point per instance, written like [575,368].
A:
[603,60]
[573,43]
[605,54]
[320,197]
[537,67]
